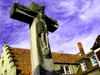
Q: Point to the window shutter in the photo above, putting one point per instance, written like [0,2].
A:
[98,55]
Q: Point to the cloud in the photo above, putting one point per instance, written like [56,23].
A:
[90,11]
[22,44]
[61,9]
[85,10]
[86,39]
[68,47]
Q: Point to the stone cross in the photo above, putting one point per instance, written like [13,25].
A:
[40,24]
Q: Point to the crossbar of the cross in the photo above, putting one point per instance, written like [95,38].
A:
[52,24]
[27,15]
[22,13]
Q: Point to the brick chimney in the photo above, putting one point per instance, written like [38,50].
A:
[81,49]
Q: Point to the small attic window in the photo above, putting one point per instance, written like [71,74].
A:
[93,60]
[2,63]
[83,66]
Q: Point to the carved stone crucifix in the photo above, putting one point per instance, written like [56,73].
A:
[40,24]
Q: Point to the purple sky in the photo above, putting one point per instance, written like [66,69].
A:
[78,20]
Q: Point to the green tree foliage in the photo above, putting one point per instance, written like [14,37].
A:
[58,72]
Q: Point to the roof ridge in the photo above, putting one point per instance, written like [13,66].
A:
[19,48]
[51,52]
[64,53]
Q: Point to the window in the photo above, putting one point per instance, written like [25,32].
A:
[93,60]
[2,63]
[6,72]
[83,66]
[67,69]
[62,69]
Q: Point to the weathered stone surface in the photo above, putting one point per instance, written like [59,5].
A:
[52,24]
[26,15]
[34,50]
[40,24]
[35,6]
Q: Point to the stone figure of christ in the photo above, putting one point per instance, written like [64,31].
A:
[43,33]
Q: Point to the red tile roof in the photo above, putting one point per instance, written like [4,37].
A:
[64,58]
[23,59]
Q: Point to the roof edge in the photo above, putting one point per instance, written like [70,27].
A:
[66,63]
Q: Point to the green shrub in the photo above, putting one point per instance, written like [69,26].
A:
[58,72]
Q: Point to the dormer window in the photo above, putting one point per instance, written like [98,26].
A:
[93,60]
[83,66]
